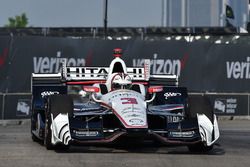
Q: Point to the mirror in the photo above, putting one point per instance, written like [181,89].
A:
[155,89]
[91,89]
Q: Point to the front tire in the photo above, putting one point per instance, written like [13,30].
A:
[48,132]
[199,105]
[34,138]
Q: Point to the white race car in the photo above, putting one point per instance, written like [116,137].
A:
[105,104]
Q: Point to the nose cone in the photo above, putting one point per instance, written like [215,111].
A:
[132,116]
[129,108]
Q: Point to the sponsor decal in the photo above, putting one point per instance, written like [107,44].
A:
[155,89]
[171,119]
[225,105]
[87,72]
[132,115]
[100,72]
[220,105]
[48,93]
[131,110]
[53,64]
[136,121]
[161,66]
[171,94]
[86,133]
[123,94]
[91,89]
[182,134]
[23,107]
[129,100]
[147,69]
[238,70]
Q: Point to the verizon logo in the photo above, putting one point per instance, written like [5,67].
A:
[238,70]
[161,66]
[53,64]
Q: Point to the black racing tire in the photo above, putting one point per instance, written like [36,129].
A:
[199,104]
[33,127]
[48,132]
[199,147]
[56,104]
[34,138]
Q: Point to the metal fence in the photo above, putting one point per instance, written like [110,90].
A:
[15,105]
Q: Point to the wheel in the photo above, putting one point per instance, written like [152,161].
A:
[33,128]
[201,105]
[56,104]
[47,131]
[200,147]
[34,138]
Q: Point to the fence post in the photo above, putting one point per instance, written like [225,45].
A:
[248,104]
[3,106]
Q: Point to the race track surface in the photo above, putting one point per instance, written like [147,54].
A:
[233,149]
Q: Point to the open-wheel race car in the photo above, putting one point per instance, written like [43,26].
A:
[104,104]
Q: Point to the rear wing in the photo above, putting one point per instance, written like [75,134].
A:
[164,80]
[100,74]
[41,79]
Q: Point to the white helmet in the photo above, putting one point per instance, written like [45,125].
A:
[120,81]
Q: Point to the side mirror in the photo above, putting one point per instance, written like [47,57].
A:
[155,89]
[91,89]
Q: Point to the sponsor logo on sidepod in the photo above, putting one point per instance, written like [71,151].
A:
[171,94]
[48,93]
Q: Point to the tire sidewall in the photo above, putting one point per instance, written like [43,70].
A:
[47,130]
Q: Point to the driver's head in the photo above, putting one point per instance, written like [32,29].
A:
[120,81]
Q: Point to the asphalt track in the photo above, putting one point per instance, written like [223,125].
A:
[232,149]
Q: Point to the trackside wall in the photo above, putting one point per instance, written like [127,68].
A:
[220,71]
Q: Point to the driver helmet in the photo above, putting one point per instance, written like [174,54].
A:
[120,81]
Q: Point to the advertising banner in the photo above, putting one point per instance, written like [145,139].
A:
[17,106]
[235,105]
[5,42]
[202,66]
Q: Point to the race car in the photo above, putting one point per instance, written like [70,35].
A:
[87,105]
